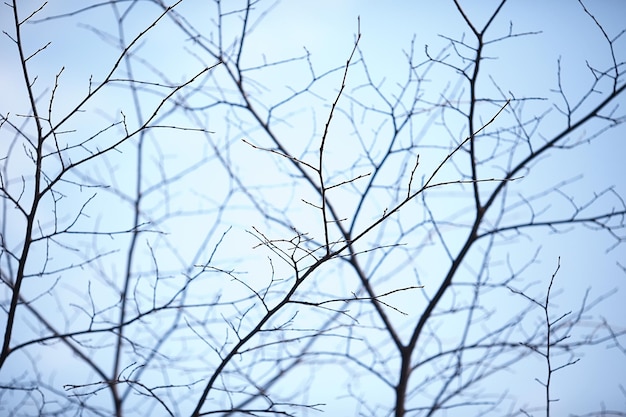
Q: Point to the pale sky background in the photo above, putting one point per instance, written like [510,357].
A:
[525,66]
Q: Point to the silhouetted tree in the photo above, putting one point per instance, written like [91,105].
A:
[195,224]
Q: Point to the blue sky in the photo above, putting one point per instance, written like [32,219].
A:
[186,212]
